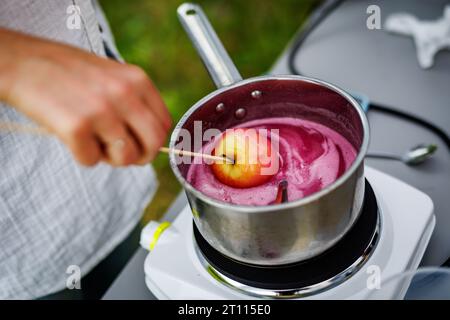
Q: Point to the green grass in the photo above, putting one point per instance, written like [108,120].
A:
[148,34]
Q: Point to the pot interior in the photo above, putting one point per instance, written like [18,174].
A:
[298,98]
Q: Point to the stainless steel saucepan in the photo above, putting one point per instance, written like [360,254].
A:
[284,233]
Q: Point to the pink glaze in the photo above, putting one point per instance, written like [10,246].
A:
[312,157]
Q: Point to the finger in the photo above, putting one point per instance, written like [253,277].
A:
[119,146]
[81,141]
[86,151]
[149,94]
[153,101]
[146,128]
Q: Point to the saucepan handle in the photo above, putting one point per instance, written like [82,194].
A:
[216,59]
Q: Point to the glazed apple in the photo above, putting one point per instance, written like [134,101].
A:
[252,155]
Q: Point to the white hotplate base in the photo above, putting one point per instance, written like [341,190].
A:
[173,271]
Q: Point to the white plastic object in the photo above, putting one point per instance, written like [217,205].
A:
[152,234]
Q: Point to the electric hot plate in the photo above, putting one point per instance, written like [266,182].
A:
[389,238]
[326,270]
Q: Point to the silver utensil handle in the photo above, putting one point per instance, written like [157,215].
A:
[216,59]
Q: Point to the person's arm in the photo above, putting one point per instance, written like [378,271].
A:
[101,109]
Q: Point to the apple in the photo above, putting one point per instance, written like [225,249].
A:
[251,152]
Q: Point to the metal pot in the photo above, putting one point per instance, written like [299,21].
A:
[284,233]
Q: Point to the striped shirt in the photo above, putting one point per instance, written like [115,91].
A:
[55,213]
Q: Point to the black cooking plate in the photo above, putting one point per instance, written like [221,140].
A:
[306,273]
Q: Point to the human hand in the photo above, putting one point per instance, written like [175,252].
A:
[101,109]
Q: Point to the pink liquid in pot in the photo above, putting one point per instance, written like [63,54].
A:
[312,157]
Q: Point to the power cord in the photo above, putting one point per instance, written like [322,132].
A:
[412,118]
[316,18]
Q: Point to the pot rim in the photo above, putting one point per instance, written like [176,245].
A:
[288,205]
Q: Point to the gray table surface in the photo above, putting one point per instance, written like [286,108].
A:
[383,67]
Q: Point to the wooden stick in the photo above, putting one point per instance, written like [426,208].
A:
[24,128]
[195,154]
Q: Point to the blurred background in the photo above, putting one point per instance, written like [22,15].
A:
[148,34]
